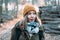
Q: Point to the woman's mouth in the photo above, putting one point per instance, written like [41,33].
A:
[31,20]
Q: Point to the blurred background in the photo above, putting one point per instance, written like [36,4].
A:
[9,9]
[11,13]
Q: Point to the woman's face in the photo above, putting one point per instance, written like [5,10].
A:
[31,16]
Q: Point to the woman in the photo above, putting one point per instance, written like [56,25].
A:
[28,28]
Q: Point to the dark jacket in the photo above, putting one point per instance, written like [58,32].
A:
[19,34]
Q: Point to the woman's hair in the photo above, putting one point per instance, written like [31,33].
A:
[25,20]
[26,9]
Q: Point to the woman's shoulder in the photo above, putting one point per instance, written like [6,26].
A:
[18,24]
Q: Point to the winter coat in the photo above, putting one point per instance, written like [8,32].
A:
[19,34]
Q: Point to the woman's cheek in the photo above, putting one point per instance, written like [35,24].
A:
[29,16]
[33,16]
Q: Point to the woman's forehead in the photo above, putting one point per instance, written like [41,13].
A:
[31,12]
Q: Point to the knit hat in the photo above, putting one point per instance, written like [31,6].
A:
[28,8]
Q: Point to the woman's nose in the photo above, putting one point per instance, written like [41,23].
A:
[32,14]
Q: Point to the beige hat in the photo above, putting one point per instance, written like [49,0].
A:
[28,8]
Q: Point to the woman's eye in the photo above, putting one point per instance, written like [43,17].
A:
[34,13]
[31,13]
